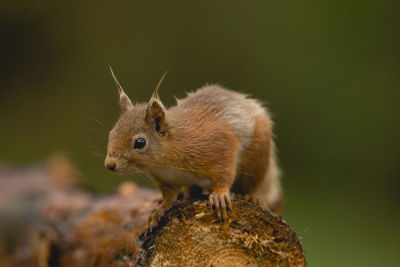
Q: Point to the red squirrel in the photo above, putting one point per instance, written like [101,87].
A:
[214,138]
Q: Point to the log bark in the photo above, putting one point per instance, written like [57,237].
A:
[57,223]
[190,235]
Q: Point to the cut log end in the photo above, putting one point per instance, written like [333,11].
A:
[190,235]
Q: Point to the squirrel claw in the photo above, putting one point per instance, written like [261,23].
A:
[221,202]
[254,200]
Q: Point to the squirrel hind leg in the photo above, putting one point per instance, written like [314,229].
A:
[257,176]
[275,206]
[267,194]
[270,191]
[255,159]
[262,189]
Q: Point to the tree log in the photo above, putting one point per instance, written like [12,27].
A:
[190,235]
[68,226]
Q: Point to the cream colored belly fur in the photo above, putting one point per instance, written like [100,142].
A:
[182,178]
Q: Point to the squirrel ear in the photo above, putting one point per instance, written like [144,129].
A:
[155,111]
[155,108]
[124,102]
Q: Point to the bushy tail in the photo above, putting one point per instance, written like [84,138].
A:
[270,191]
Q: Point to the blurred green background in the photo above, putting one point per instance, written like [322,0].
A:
[329,71]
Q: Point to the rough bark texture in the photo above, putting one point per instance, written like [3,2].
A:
[189,235]
[46,220]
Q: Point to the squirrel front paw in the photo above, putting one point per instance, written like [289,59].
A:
[221,201]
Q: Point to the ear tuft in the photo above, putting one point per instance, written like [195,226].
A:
[155,109]
[124,102]
[155,92]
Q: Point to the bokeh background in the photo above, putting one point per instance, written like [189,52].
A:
[329,71]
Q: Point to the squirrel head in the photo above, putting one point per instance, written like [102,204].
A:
[136,142]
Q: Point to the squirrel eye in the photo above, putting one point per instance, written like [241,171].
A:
[139,143]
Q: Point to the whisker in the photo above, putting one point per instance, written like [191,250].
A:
[94,147]
[167,188]
[99,134]
[99,122]
[86,154]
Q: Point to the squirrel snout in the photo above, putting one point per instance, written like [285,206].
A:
[110,164]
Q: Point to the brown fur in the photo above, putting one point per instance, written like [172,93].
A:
[255,159]
[212,135]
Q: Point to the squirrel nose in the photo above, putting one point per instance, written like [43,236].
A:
[111,167]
